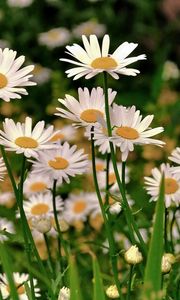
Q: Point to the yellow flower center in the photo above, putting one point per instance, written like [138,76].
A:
[79,206]
[91,115]
[112,178]
[57,137]
[59,163]
[99,167]
[127,132]
[171,185]
[104,63]
[38,186]
[39,209]
[26,142]
[3,81]
[20,288]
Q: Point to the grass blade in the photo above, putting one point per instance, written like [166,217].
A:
[75,292]
[97,282]
[5,260]
[152,279]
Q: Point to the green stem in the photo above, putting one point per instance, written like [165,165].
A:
[166,243]
[25,234]
[128,214]
[112,250]
[107,179]
[171,230]
[25,226]
[129,282]
[124,174]
[60,236]
[49,255]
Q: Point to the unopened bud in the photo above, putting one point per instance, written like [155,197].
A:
[64,226]
[170,257]
[42,224]
[64,293]
[115,208]
[112,292]
[165,265]
[133,255]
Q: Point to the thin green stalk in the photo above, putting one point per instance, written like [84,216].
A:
[49,255]
[166,243]
[60,236]
[107,179]
[112,250]
[15,189]
[171,230]
[25,225]
[8,271]
[25,234]
[128,214]
[124,174]
[129,282]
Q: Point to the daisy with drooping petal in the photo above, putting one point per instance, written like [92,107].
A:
[130,129]
[62,163]
[22,139]
[175,157]
[54,37]
[41,205]
[12,78]
[6,226]
[19,280]
[89,108]
[91,60]
[171,181]
[36,184]
[2,168]
[66,133]
[78,207]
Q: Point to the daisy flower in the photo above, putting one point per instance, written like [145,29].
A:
[66,133]
[41,205]
[175,157]
[19,280]
[12,78]
[36,184]
[2,168]
[22,139]
[78,207]
[59,164]
[54,37]
[91,60]
[130,129]
[6,226]
[172,185]
[88,28]
[89,108]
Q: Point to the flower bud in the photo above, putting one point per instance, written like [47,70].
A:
[64,293]
[133,255]
[170,257]
[42,224]
[165,265]
[115,208]
[112,292]
[64,226]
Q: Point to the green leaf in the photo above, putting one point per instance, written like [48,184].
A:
[97,281]
[153,275]
[75,291]
[28,291]
[7,264]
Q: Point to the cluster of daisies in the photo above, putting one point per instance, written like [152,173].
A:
[55,161]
